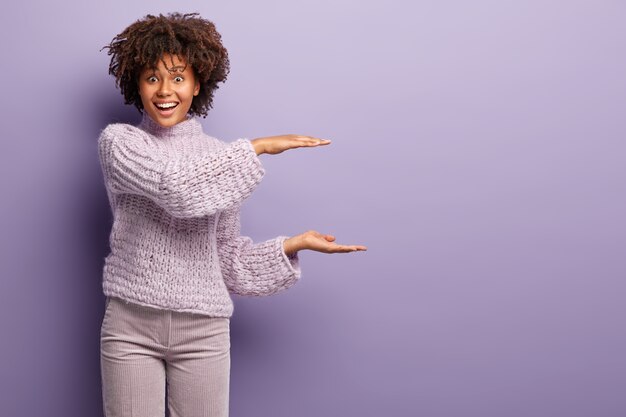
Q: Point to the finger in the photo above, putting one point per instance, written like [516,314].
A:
[352,247]
[317,142]
[306,143]
[339,250]
[313,137]
[357,248]
[307,139]
[345,248]
[311,141]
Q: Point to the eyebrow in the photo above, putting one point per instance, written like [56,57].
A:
[177,67]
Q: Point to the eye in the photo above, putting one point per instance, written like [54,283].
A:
[179,79]
[152,79]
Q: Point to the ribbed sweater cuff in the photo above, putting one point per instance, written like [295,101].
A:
[291,262]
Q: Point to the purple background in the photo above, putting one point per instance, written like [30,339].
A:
[478,152]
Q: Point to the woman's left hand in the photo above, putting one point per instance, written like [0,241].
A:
[319,242]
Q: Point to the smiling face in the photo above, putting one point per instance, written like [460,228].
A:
[167,92]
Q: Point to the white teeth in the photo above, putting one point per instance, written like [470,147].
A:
[166,105]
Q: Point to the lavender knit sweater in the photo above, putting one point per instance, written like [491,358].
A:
[175,194]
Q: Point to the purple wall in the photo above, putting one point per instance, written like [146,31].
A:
[478,151]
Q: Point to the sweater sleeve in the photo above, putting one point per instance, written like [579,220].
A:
[253,269]
[184,186]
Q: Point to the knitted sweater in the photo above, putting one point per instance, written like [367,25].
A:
[175,195]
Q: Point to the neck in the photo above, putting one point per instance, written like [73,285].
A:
[188,127]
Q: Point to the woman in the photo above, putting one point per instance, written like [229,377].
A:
[176,250]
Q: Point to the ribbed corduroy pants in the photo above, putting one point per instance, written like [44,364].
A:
[142,349]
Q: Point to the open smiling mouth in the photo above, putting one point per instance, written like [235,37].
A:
[166,107]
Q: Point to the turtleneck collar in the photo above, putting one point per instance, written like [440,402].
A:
[189,127]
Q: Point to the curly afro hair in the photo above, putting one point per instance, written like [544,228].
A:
[143,43]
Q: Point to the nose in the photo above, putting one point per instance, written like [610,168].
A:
[164,88]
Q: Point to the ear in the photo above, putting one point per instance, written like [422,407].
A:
[196,88]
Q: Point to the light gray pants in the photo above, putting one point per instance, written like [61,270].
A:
[143,348]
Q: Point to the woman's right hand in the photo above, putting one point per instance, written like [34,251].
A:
[316,241]
[276,144]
